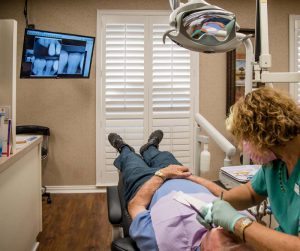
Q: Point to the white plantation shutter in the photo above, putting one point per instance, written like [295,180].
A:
[171,76]
[124,70]
[171,95]
[145,85]
[123,87]
[295,53]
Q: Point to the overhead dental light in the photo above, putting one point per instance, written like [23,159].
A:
[202,27]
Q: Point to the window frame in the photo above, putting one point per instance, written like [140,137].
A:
[100,109]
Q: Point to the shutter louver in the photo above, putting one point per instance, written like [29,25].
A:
[171,96]
[124,86]
[171,76]
[124,70]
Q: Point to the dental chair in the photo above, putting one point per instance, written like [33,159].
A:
[119,218]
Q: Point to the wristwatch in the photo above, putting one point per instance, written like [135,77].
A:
[160,174]
[242,225]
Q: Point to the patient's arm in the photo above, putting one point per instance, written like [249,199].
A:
[144,195]
[211,186]
[241,197]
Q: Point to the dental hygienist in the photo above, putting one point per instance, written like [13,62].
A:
[267,123]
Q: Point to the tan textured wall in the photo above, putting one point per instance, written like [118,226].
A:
[68,106]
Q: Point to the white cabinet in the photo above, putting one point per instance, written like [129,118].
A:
[20,198]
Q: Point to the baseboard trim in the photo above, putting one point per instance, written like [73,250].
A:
[76,189]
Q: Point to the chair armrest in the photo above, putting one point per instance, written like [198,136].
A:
[114,205]
[124,244]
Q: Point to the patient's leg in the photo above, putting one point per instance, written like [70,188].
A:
[135,171]
[157,159]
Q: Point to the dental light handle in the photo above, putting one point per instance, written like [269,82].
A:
[204,160]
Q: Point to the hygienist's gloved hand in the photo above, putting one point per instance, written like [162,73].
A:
[224,215]
[205,216]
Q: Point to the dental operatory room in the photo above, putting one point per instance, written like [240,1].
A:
[149,125]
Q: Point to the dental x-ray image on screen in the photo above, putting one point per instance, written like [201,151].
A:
[56,55]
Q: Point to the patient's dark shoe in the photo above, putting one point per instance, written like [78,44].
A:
[153,140]
[117,142]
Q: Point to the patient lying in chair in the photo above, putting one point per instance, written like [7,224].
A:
[152,181]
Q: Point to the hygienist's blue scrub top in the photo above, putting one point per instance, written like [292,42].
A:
[284,194]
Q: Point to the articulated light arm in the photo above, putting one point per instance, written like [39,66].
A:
[193,23]
[200,26]
[221,141]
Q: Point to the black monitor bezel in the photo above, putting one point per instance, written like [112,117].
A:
[67,76]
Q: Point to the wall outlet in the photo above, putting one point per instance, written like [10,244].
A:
[5,109]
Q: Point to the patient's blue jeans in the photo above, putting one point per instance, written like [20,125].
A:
[136,169]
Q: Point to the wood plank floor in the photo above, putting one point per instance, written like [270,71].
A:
[75,222]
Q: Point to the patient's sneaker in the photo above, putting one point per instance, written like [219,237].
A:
[153,140]
[117,142]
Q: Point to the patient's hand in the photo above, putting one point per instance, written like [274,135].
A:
[176,172]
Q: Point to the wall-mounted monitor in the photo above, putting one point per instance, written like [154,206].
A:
[56,55]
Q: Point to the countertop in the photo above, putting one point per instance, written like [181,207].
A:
[22,149]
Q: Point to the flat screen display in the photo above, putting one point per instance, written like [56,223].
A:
[56,55]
